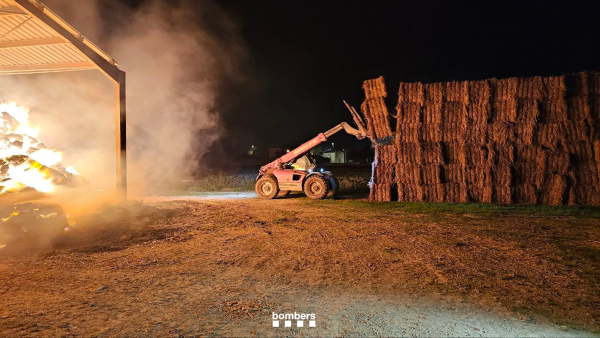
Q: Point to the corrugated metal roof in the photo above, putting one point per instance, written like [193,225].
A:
[30,41]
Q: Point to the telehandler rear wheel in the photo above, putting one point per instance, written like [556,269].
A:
[267,187]
[316,187]
[335,186]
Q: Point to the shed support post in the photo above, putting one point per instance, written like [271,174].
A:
[121,136]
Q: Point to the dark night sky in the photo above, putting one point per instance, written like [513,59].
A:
[305,57]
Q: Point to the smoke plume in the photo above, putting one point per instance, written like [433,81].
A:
[176,57]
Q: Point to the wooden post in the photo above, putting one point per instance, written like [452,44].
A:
[121,136]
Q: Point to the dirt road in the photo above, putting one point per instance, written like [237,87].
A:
[215,267]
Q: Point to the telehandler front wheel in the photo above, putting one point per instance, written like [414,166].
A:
[316,187]
[267,187]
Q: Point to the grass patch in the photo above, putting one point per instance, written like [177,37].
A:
[479,209]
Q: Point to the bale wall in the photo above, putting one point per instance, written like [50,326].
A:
[518,140]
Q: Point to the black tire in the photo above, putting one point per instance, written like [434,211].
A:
[283,193]
[334,186]
[267,187]
[316,188]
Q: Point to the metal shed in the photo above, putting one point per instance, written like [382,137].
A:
[33,40]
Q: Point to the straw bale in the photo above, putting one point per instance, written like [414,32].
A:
[410,193]
[411,153]
[453,153]
[529,173]
[456,193]
[553,110]
[434,93]
[594,83]
[501,132]
[409,112]
[558,162]
[431,174]
[554,191]
[577,84]
[479,113]
[555,87]
[432,153]
[476,155]
[530,88]
[432,113]
[377,116]
[580,152]
[504,111]
[527,110]
[411,92]
[432,133]
[454,113]
[578,107]
[547,135]
[532,154]
[596,146]
[457,92]
[499,154]
[504,89]
[453,173]
[384,174]
[454,132]
[433,193]
[525,193]
[585,196]
[502,175]
[375,88]
[579,130]
[586,174]
[479,183]
[477,133]
[502,194]
[479,92]
[524,132]
[409,132]
[407,173]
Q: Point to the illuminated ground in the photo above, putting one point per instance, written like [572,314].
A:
[220,266]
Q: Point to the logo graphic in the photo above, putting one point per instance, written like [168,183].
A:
[299,318]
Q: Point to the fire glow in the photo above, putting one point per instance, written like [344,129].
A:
[24,161]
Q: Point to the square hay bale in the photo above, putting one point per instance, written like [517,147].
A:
[502,175]
[432,133]
[504,89]
[538,156]
[377,117]
[596,146]
[585,196]
[558,162]
[528,110]
[433,193]
[431,174]
[453,173]
[578,107]
[501,133]
[434,93]
[455,193]
[554,191]
[479,92]
[479,184]
[476,155]
[479,113]
[387,154]
[580,152]
[454,132]
[432,153]
[552,111]
[529,173]
[375,88]
[525,193]
[384,174]
[524,132]
[502,194]
[410,193]
[409,132]
[547,135]
[410,153]
[457,92]
[381,192]
[554,87]
[407,173]
[594,83]
[577,84]
[578,130]
[411,92]
[530,88]
[586,174]
[409,112]
[504,111]
[454,113]
[503,155]
[477,134]
[453,153]
[432,113]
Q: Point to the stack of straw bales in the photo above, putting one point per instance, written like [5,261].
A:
[518,140]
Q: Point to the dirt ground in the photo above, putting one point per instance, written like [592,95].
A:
[222,266]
